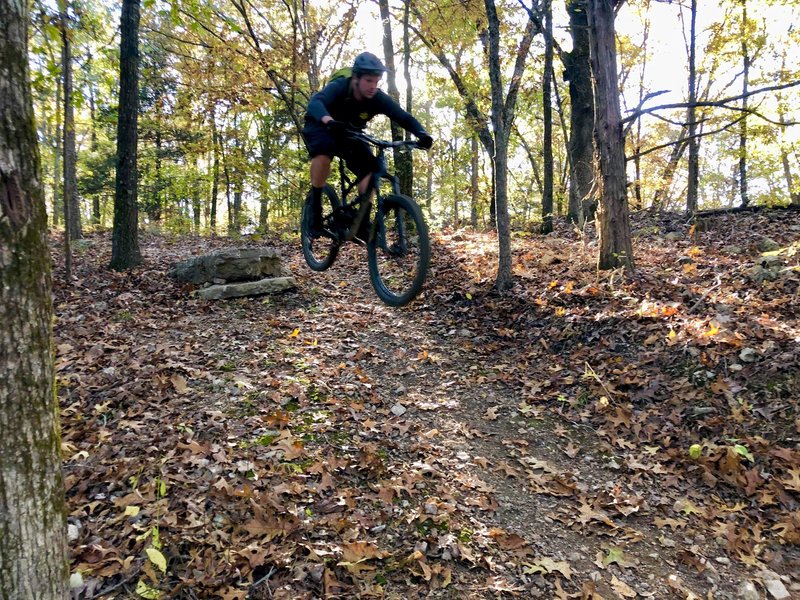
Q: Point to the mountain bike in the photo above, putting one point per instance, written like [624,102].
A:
[391,226]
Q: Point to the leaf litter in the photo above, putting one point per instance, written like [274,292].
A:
[317,444]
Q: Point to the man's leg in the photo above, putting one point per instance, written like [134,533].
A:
[320,169]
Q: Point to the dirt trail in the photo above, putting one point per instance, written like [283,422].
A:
[320,444]
[532,465]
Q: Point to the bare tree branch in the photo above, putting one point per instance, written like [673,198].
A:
[723,103]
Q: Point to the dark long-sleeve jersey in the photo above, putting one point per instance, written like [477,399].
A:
[336,100]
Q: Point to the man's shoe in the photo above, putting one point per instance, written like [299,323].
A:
[317,227]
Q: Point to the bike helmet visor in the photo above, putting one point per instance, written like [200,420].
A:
[367,63]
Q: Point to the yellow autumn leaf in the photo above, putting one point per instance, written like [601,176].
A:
[157,559]
[131,511]
[145,591]
[295,333]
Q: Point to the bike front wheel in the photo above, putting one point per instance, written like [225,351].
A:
[399,250]
[320,247]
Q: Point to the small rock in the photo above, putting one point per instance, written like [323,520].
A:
[673,236]
[398,410]
[732,250]
[768,245]
[75,581]
[776,589]
[73,531]
[747,591]
[685,260]
[723,560]
[748,355]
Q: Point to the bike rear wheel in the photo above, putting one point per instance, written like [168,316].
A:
[320,248]
[399,251]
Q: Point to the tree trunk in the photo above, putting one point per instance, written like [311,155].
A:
[547,197]
[453,147]
[196,204]
[578,72]
[153,207]
[473,187]
[33,549]
[265,134]
[743,123]
[72,213]
[125,239]
[402,159]
[614,223]
[58,197]
[96,212]
[215,180]
[405,170]
[665,181]
[691,117]
[500,126]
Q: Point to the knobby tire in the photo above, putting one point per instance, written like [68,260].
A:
[320,251]
[398,251]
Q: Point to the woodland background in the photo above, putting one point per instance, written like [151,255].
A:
[223,88]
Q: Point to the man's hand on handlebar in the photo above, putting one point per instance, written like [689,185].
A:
[425,141]
[337,127]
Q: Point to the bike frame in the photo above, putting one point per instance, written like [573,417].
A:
[381,173]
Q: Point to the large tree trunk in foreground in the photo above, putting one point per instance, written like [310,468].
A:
[125,242]
[33,556]
[614,223]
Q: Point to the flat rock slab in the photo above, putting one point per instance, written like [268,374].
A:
[270,285]
[236,264]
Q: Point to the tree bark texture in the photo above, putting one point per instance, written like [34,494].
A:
[547,110]
[406,171]
[58,197]
[580,146]
[499,125]
[614,222]
[72,212]
[125,239]
[215,175]
[33,553]
[743,123]
[402,159]
[473,184]
[691,118]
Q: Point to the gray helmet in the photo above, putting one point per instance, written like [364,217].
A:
[367,63]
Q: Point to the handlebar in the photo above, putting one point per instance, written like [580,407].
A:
[360,135]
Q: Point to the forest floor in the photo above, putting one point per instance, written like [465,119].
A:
[536,443]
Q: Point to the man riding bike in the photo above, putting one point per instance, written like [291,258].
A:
[350,102]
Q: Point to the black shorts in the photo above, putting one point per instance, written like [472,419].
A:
[356,154]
